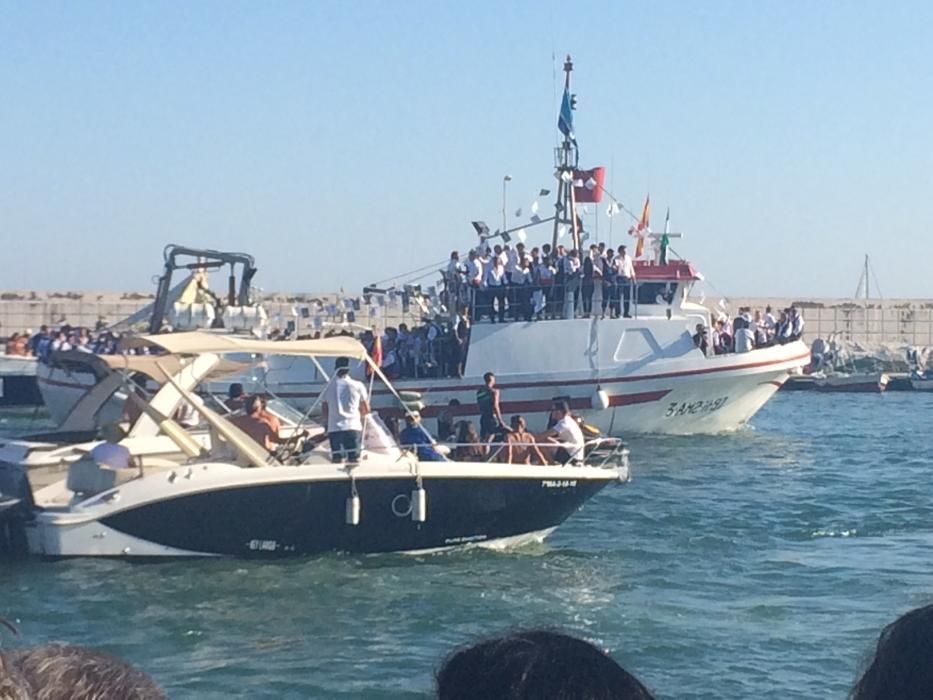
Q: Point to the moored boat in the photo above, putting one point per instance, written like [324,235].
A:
[868,383]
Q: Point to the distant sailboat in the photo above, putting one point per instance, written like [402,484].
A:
[859,382]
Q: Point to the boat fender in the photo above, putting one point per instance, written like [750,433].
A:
[419,505]
[600,400]
[353,509]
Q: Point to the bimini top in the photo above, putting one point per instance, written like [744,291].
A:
[199,342]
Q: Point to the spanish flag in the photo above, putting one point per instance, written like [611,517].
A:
[643,227]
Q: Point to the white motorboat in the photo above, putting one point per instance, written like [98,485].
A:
[240,501]
[64,377]
[46,456]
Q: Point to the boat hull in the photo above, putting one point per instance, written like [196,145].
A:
[255,514]
[693,396]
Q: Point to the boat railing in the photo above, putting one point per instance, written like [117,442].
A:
[539,301]
[606,452]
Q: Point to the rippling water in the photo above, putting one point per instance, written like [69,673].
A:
[760,564]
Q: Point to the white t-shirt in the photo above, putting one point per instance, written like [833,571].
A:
[343,398]
[111,455]
[744,340]
[570,436]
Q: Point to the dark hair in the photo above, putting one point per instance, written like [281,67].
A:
[250,405]
[235,391]
[488,376]
[900,667]
[535,664]
[342,363]
[561,405]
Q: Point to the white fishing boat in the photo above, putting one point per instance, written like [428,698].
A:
[239,500]
[642,374]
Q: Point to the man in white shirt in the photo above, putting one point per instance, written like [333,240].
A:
[345,404]
[625,274]
[566,434]
[770,324]
[744,339]
[110,453]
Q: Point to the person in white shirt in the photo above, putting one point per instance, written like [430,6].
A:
[345,405]
[625,276]
[110,453]
[744,339]
[496,287]
[770,324]
[566,435]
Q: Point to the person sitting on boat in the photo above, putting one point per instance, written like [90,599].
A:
[565,435]
[469,447]
[110,453]
[490,415]
[414,437]
[701,339]
[345,404]
[445,421]
[236,397]
[254,423]
[520,445]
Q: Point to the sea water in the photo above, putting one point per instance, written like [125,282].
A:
[752,565]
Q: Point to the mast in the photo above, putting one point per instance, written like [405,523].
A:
[566,159]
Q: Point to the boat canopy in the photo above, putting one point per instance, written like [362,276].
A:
[198,342]
[103,365]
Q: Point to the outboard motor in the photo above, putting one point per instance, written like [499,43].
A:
[16,509]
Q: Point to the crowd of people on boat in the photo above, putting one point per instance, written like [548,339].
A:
[506,282]
[749,330]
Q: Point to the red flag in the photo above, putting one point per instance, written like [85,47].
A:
[588,185]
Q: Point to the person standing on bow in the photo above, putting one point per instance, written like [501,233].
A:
[490,415]
[346,404]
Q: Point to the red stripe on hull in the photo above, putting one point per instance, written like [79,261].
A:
[535,406]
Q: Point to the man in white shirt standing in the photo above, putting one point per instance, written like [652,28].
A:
[744,339]
[625,274]
[345,405]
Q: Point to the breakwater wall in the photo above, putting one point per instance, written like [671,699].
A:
[907,321]
[27,310]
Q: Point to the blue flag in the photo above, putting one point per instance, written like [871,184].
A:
[565,120]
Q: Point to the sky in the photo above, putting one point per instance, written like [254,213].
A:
[343,143]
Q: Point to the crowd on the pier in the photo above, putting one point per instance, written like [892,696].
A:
[63,337]
[525,664]
[512,282]
[749,330]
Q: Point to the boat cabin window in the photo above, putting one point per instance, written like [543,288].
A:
[657,292]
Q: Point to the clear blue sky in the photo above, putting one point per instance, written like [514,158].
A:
[342,142]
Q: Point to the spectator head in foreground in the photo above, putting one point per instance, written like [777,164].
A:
[535,665]
[65,672]
[901,667]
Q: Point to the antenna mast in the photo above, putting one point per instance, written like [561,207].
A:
[566,159]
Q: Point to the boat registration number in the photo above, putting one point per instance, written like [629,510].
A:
[684,408]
